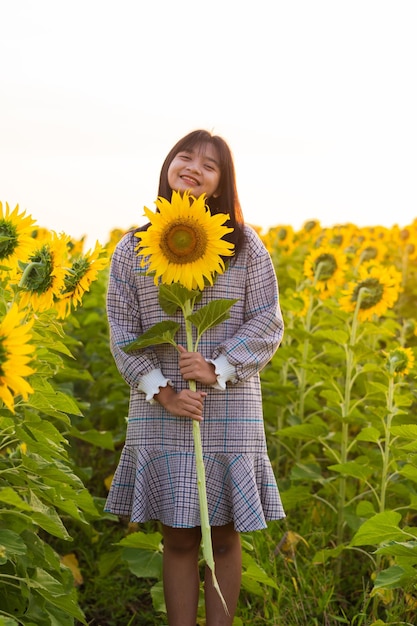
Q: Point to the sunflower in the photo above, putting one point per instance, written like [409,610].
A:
[400,361]
[408,240]
[340,235]
[78,278]
[43,276]
[16,239]
[326,268]
[377,288]
[279,239]
[184,241]
[15,354]
[301,302]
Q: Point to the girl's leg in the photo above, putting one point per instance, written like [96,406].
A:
[228,568]
[180,574]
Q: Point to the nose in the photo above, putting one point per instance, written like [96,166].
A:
[194,166]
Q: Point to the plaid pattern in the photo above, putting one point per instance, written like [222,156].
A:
[156,477]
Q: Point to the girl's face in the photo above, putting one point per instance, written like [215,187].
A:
[196,170]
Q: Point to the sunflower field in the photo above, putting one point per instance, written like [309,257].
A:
[340,404]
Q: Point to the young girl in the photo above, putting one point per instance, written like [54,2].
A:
[156,475]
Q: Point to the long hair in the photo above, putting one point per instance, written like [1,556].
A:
[228,199]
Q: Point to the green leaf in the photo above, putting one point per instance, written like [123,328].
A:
[51,401]
[407,431]
[143,563]
[108,562]
[340,337]
[213,313]
[47,518]
[380,528]
[351,468]
[145,541]
[256,572]
[370,434]
[409,471]
[304,431]
[292,497]
[173,297]
[322,556]
[392,577]
[101,439]
[400,548]
[10,543]
[10,497]
[67,602]
[162,332]
[308,471]
[158,598]
[8,621]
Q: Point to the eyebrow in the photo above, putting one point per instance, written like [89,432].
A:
[208,158]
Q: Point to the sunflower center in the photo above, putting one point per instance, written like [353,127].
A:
[3,355]
[369,253]
[8,239]
[183,242]
[325,266]
[337,240]
[372,292]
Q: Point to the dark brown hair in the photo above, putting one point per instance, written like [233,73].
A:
[228,200]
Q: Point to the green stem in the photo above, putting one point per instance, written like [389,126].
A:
[201,472]
[387,444]
[344,444]
[27,271]
[302,381]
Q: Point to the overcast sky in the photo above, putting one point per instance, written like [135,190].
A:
[317,99]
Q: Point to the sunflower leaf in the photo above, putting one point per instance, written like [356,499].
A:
[213,313]
[163,332]
[174,296]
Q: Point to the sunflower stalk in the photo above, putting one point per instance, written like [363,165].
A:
[201,472]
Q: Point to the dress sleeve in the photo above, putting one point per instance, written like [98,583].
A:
[253,345]
[123,314]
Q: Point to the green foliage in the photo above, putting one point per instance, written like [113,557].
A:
[39,490]
[341,429]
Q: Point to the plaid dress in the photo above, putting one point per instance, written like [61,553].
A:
[156,476]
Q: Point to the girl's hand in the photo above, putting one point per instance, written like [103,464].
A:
[193,366]
[185,403]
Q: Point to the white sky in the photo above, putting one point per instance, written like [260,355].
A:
[317,99]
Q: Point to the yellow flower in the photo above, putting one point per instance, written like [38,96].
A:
[15,351]
[184,241]
[377,288]
[408,240]
[279,239]
[78,278]
[43,277]
[15,235]
[326,267]
[400,361]
[300,302]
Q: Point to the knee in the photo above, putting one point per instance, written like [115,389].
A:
[181,540]
[225,541]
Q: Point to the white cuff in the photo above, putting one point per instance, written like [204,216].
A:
[151,383]
[225,372]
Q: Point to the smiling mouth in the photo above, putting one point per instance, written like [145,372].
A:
[190,181]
